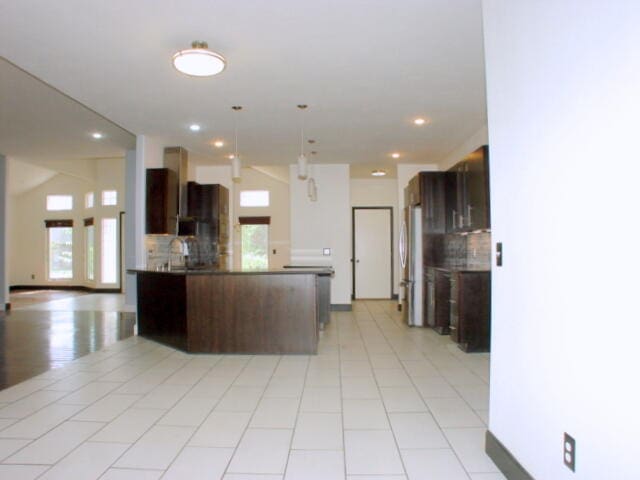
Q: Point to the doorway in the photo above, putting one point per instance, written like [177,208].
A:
[372,252]
[254,242]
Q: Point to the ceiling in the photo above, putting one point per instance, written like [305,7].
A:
[366,68]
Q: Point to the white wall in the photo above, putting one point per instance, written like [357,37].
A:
[324,223]
[27,255]
[4,223]
[278,210]
[563,84]
[380,193]
[478,139]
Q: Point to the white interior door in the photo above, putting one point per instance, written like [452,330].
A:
[372,255]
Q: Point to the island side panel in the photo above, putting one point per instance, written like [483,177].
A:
[272,313]
[162,308]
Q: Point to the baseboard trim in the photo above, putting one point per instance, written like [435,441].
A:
[504,460]
[340,307]
[83,288]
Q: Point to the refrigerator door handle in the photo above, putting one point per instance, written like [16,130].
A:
[402,244]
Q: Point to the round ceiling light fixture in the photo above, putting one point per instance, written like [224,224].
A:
[218,144]
[97,135]
[419,121]
[378,173]
[194,127]
[199,61]
[395,155]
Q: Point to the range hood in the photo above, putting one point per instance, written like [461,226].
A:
[177,159]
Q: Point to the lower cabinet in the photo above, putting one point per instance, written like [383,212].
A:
[437,297]
[470,310]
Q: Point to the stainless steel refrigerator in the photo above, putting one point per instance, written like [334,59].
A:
[411,261]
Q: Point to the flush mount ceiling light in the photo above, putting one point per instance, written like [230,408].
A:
[97,135]
[236,166]
[395,155]
[419,121]
[199,61]
[218,144]
[302,160]
[194,127]
[378,173]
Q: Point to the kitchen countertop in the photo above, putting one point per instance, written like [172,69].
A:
[216,271]
[462,268]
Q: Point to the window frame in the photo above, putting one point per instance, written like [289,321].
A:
[255,205]
[59,196]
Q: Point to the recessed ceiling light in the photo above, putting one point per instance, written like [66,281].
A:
[194,128]
[231,156]
[419,121]
[199,61]
[97,135]
[378,173]
[218,144]
[395,155]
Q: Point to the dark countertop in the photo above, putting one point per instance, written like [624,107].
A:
[215,271]
[462,268]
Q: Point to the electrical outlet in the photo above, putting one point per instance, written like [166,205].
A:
[569,452]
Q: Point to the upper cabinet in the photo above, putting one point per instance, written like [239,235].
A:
[468,193]
[209,204]
[161,201]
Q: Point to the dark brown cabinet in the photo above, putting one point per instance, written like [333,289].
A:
[470,310]
[468,193]
[413,193]
[161,201]
[209,205]
[437,299]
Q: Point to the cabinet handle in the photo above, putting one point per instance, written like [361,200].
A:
[469,207]
[453,219]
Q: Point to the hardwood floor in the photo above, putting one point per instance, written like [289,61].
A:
[34,341]
[23,298]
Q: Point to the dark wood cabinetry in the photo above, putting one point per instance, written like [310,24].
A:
[413,193]
[161,201]
[470,310]
[437,300]
[468,193]
[209,205]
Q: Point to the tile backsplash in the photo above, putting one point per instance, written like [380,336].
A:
[157,248]
[468,250]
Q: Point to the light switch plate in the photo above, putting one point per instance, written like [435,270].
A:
[326,252]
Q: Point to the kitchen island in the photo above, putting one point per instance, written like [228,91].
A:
[229,311]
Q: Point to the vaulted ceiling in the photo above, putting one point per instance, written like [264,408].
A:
[366,68]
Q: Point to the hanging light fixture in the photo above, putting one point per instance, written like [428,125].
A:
[312,190]
[236,166]
[199,61]
[303,164]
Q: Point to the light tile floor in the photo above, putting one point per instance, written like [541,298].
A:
[380,401]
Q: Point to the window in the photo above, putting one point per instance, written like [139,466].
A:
[109,262]
[254,198]
[109,197]
[254,242]
[89,199]
[89,246]
[59,249]
[59,202]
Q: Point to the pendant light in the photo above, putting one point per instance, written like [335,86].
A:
[236,166]
[303,164]
[312,190]
[199,61]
